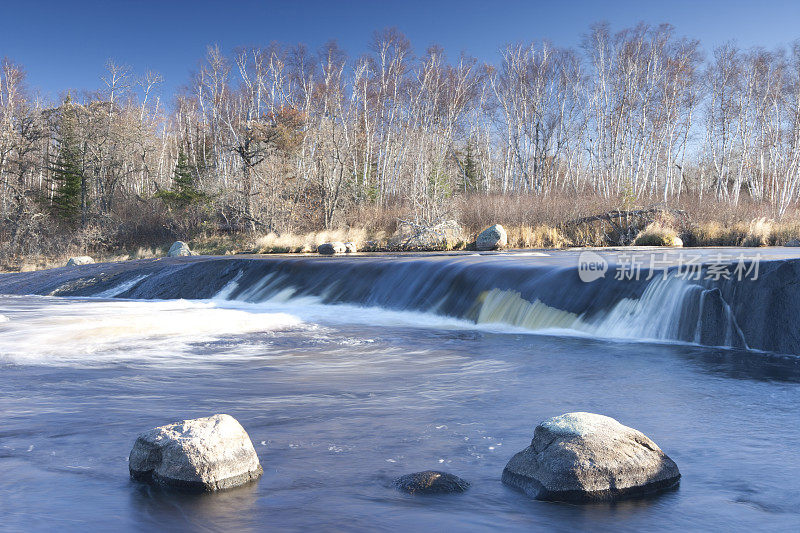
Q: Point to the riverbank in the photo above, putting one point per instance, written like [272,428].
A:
[589,234]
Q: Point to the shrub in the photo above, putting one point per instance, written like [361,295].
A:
[657,234]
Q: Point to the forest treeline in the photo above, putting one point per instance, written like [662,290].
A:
[281,138]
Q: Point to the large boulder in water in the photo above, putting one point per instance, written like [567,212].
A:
[80,260]
[431,482]
[492,238]
[203,454]
[330,248]
[587,457]
[179,249]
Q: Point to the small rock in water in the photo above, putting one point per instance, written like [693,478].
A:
[80,260]
[431,482]
[588,457]
[330,248]
[492,238]
[179,249]
[203,454]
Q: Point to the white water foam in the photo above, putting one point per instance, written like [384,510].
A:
[122,287]
[229,287]
[648,317]
[652,317]
[61,330]
[64,330]
[655,316]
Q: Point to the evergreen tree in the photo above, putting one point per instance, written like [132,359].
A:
[68,171]
[470,169]
[183,192]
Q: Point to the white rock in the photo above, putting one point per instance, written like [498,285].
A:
[589,457]
[179,249]
[80,260]
[350,248]
[204,454]
[410,236]
[492,238]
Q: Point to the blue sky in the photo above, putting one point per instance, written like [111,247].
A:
[64,44]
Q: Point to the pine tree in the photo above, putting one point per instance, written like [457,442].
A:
[470,177]
[183,192]
[68,172]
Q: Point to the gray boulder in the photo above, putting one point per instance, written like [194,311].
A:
[492,238]
[793,243]
[80,260]
[431,482]
[587,457]
[330,248]
[204,454]
[415,237]
[350,248]
[179,249]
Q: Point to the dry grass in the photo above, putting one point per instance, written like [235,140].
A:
[308,242]
[781,234]
[541,236]
[757,232]
[658,234]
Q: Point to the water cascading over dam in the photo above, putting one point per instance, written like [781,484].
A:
[519,291]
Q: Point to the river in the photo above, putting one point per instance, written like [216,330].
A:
[349,372]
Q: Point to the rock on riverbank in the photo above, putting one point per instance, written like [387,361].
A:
[80,260]
[204,454]
[179,249]
[588,457]
[330,248]
[413,237]
[492,238]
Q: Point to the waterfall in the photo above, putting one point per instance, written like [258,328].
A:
[527,292]
[663,312]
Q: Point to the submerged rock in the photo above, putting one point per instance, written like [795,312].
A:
[492,238]
[588,457]
[203,454]
[179,249]
[80,260]
[431,482]
[330,248]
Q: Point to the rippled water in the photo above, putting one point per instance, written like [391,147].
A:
[340,400]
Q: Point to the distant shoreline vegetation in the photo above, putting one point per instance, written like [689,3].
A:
[270,149]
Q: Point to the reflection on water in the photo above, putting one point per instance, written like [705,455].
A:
[152,506]
[339,404]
